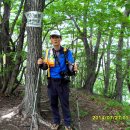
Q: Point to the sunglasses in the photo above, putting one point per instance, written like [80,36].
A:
[55,36]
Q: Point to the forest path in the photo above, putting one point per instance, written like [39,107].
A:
[93,113]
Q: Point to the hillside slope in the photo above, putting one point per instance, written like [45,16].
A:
[96,113]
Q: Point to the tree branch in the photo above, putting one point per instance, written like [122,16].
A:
[99,64]
[75,23]
[98,42]
[14,22]
[46,34]
[48,3]
[19,80]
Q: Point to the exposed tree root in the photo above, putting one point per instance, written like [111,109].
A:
[42,121]
[19,110]
[15,111]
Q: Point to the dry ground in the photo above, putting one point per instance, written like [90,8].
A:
[89,108]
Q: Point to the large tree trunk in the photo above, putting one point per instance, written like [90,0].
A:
[92,59]
[91,56]
[34,39]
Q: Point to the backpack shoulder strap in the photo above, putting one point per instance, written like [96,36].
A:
[65,49]
[46,55]
[46,61]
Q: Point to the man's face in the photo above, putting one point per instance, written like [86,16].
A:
[55,40]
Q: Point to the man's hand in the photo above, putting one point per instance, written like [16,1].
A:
[41,64]
[40,61]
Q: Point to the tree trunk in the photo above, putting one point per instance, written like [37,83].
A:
[34,39]
[6,46]
[128,76]
[92,59]
[119,69]
[19,60]
[91,56]
[128,68]
[1,63]
[107,66]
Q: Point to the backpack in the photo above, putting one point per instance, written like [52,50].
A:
[70,73]
[65,52]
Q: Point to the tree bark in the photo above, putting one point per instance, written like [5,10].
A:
[91,56]
[119,69]
[128,75]
[107,66]
[92,59]
[34,39]
[6,46]
[19,60]
[128,68]
[1,63]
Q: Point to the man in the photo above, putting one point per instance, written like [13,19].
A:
[55,62]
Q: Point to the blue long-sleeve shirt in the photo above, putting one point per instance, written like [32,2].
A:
[61,66]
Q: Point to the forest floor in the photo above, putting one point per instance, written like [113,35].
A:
[94,115]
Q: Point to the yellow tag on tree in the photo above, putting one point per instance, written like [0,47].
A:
[4,59]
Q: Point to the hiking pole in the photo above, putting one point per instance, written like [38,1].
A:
[34,115]
[78,114]
[77,105]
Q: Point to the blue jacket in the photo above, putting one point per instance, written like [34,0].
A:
[61,66]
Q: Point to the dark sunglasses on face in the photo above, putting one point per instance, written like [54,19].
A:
[55,36]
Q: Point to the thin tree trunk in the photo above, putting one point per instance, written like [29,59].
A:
[128,76]
[128,68]
[6,46]
[119,69]
[107,66]
[1,63]
[19,60]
